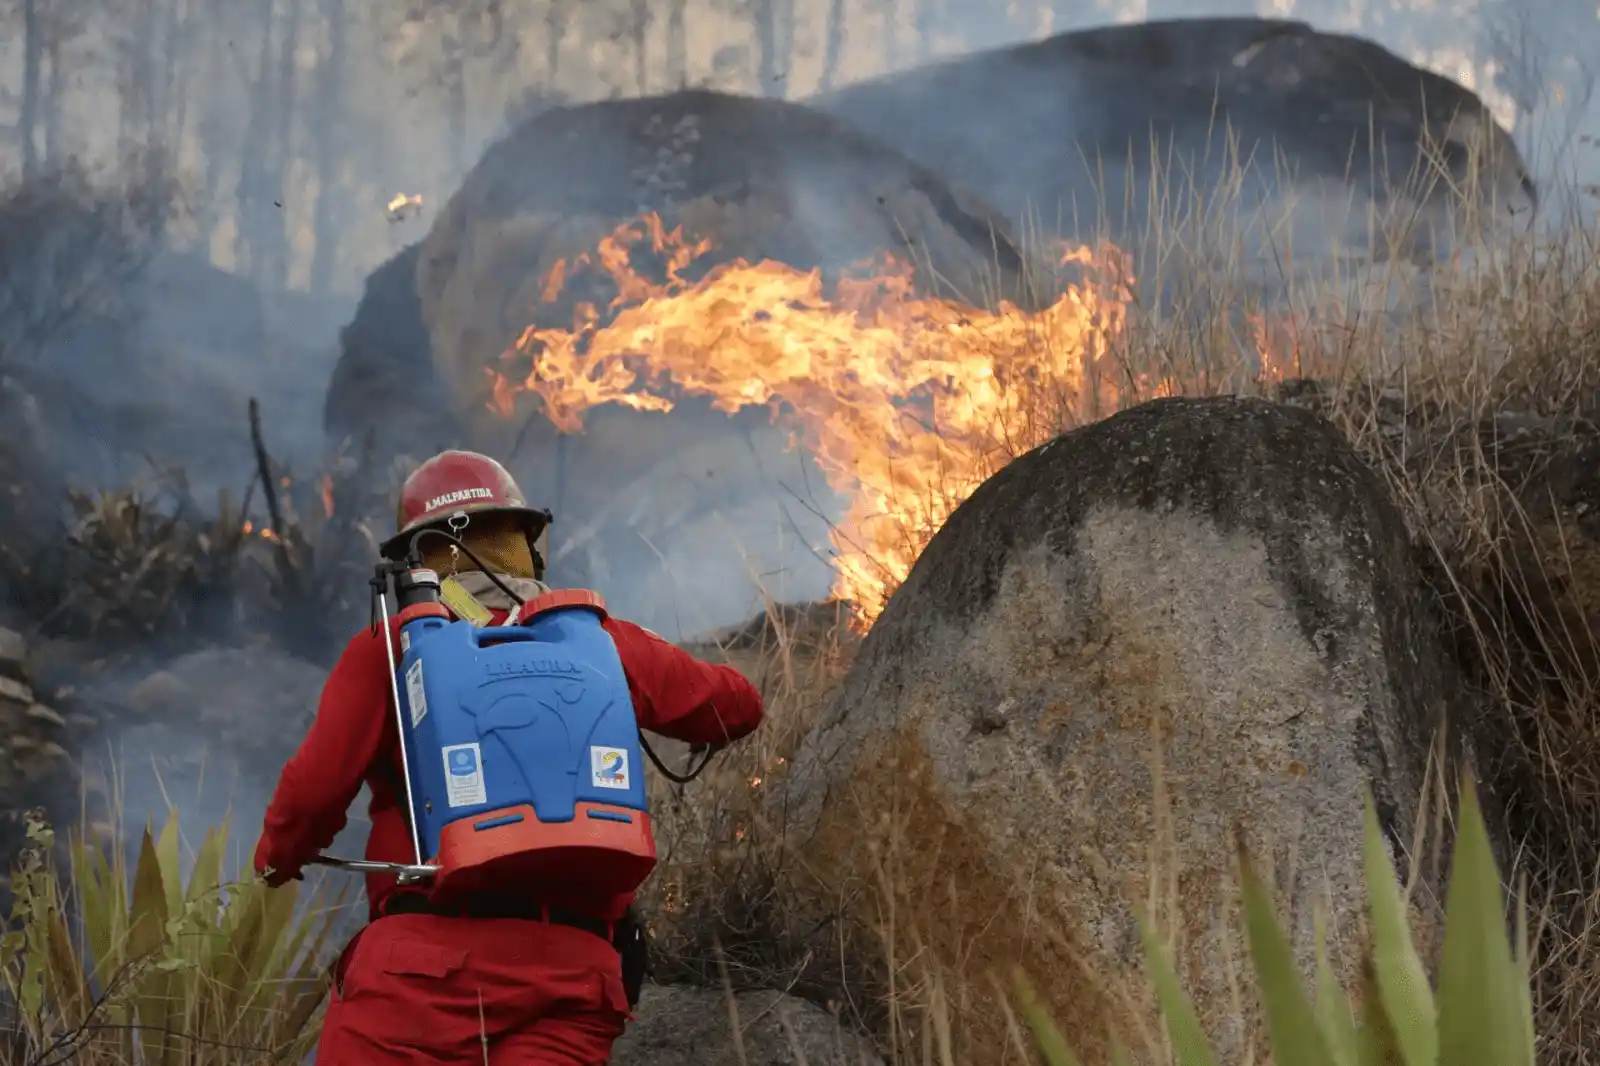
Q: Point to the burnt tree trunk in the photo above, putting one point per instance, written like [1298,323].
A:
[677,46]
[640,25]
[252,195]
[833,49]
[51,109]
[329,114]
[555,24]
[283,154]
[32,64]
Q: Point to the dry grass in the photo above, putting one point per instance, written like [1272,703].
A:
[1471,388]
[1422,381]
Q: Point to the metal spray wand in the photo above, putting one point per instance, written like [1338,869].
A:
[409,873]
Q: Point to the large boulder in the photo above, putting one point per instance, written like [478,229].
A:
[758,178]
[680,1025]
[639,496]
[1088,128]
[1216,587]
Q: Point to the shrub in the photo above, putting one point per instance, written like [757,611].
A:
[106,968]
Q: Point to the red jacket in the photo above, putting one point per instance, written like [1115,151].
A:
[353,742]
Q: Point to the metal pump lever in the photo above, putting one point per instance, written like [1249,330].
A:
[408,873]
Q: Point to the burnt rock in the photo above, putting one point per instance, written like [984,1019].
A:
[759,178]
[1222,585]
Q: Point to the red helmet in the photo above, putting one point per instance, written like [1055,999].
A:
[459,483]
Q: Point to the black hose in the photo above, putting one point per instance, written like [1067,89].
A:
[681,779]
[414,557]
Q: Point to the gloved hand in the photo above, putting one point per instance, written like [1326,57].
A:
[278,878]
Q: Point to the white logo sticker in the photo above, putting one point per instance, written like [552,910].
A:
[608,767]
[459,496]
[463,775]
[415,696]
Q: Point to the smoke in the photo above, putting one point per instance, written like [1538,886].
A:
[230,213]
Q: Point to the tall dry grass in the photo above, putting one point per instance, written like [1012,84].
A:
[1469,384]
[1422,370]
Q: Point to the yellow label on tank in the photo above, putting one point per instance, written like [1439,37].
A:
[463,603]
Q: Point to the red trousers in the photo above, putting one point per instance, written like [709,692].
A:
[416,988]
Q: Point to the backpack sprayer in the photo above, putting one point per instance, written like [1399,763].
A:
[422,615]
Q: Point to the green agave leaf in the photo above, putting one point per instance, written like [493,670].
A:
[1484,1008]
[1376,1044]
[1402,982]
[68,985]
[1189,1044]
[1524,971]
[1296,1038]
[1052,1045]
[147,943]
[168,859]
[94,905]
[1333,1012]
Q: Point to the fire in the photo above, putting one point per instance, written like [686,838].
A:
[401,205]
[1279,347]
[250,529]
[908,402]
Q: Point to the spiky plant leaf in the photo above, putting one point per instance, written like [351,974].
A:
[1376,1044]
[147,949]
[1291,1021]
[1333,1012]
[1189,1044]
[168,859]
[1484,1012]
[1402,981]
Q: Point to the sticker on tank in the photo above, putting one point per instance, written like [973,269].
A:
[463,775]
[608,767]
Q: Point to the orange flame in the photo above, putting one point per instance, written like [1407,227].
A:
[250,529]
[400,202]
[908,402]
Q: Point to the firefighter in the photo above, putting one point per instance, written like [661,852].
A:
[515,981]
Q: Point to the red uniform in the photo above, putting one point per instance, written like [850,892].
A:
[420,988]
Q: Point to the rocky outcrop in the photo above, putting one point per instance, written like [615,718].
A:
[682,1026]
[1086,129]
[1215,595]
